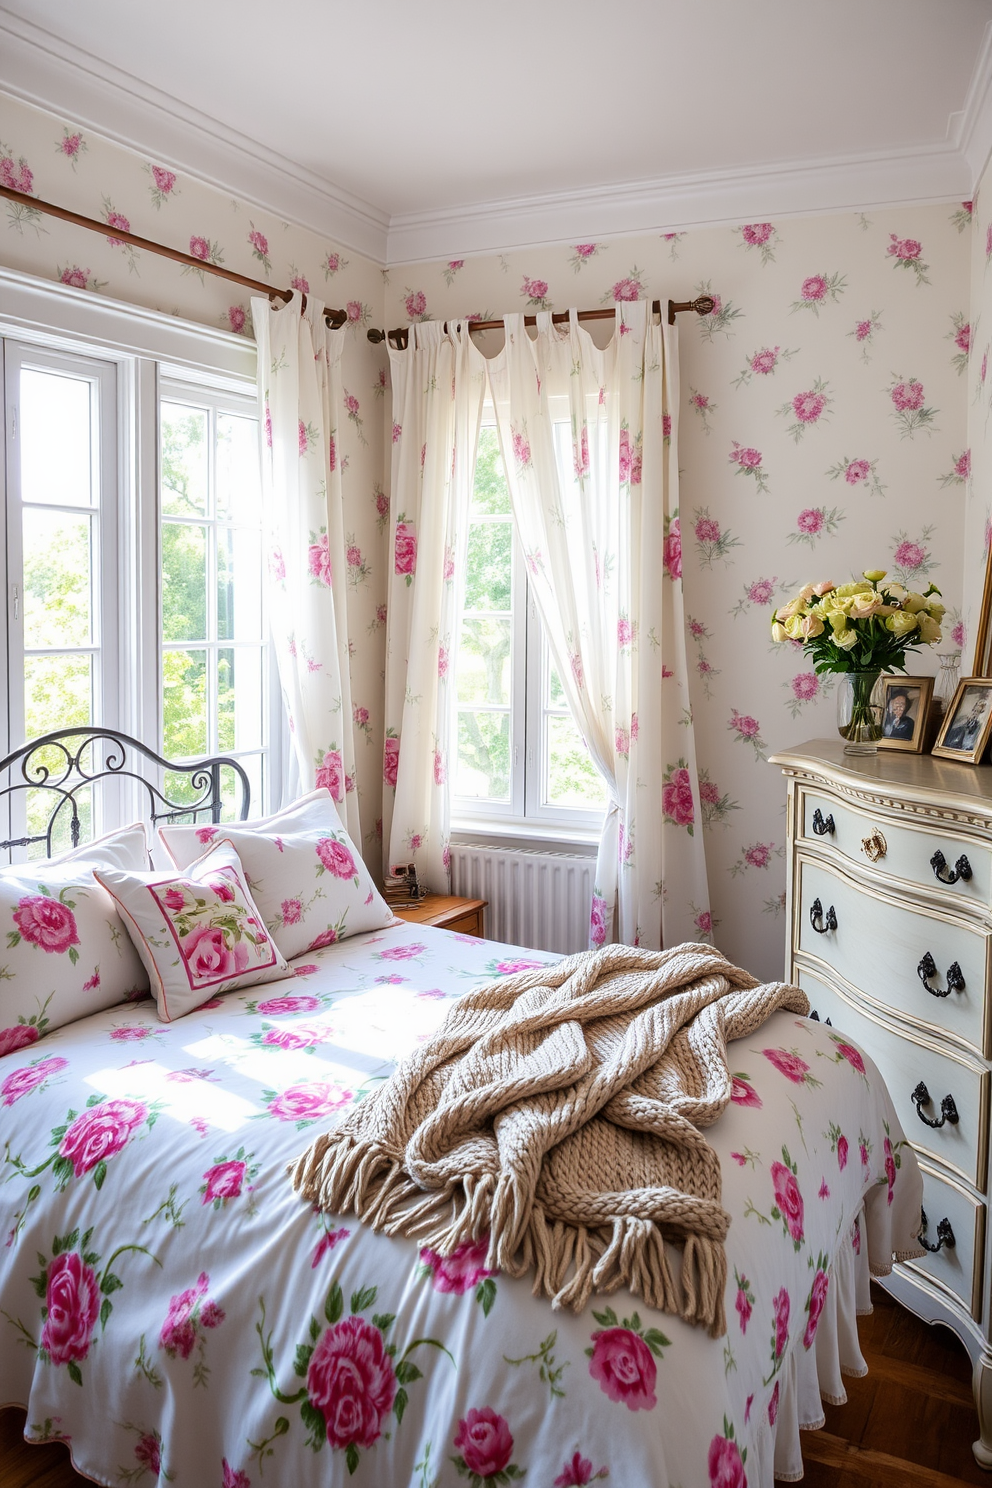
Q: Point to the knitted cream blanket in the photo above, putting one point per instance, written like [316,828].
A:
[558,1112]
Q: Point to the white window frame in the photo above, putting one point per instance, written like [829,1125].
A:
[142,348]
[524,815]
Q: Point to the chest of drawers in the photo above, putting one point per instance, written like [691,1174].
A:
[889,912]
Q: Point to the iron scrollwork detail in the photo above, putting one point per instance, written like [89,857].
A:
[822,824]
[948,1109]
[943,874]
[945,1235]
[927,968]
[816,913]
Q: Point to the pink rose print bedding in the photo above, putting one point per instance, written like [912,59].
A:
[172,1307]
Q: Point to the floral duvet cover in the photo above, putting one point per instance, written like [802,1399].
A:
[170,1308]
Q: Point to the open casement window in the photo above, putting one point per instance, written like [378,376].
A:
[519,758]
[133,572]
[216,693]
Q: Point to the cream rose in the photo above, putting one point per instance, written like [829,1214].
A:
[929,629]
[901,623]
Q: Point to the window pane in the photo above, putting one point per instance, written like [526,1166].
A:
[556,693]
[185,460]
[57,600]
[484,662]
[492,495]
[184,696]
[239,699]
[239,491]
[41,804]
[56,439]
[489,568]
[483,767]
[184,582]
[58,692]
[239,584]
[571,778]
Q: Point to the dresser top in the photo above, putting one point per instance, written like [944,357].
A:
[966,788]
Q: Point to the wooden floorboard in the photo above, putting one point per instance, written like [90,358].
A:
[909,1423]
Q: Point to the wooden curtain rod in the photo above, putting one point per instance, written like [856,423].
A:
[703,304]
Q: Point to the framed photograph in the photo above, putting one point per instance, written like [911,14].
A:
[905,710]
[965,730]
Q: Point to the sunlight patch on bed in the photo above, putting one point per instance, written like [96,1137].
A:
[277,1070]
[183,1099]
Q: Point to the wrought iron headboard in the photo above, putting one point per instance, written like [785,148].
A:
[70,774]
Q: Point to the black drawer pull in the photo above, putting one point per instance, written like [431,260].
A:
[928,968]
[948,1110]
[816,913]
[945,1235]
[961,869]
[816,1018]
[821,824]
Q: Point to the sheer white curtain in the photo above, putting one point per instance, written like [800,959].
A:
[602,550]
[438,383]
[300,402]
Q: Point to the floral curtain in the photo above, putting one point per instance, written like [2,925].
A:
[438,383]
[300,400]
[589,441]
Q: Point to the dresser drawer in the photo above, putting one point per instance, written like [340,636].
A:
[907,848]
[903,1062]
[959,1269]
[879,944]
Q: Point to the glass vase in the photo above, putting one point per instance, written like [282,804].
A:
[947,680]
[859,711]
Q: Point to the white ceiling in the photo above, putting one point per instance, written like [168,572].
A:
[443,127]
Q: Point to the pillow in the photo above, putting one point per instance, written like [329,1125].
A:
[304,872]
[198,932]
[64,952]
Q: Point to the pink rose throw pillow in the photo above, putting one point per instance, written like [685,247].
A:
[64,952]
[303,870]
[199,932]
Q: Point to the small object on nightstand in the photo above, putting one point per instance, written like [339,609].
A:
[447,911]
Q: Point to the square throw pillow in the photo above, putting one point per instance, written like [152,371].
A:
[198,932]
[64,951]
[304,872]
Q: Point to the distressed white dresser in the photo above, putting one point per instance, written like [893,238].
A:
[889,913]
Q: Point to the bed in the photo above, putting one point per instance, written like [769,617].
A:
[164,1292]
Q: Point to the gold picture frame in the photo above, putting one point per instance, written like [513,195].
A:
[905,711]
[967,724]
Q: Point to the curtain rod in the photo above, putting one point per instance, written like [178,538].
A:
[703,304]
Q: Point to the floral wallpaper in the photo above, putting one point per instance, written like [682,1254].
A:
[54,159]
[823,431]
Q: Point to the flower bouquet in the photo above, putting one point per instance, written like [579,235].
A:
[860,629]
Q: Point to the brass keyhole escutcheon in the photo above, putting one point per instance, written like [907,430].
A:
[874,846]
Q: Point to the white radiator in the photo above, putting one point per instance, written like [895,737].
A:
[538,899]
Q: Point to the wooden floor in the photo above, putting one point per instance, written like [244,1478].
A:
[909,1424]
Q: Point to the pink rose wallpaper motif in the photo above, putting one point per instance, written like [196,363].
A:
[814,522]
[960,334]
[864,333]
[763,363]
[712,542]
[747,459]
[912,560]
[960,471]
[535,292]
[704,408]
[71,146]
[761,237]
[583,252]
[909,408]
[907,254]
[858,472]
[721,317]
[628,288]
[807,409]
[818,291]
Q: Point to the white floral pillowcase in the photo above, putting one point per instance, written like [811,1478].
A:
[198,931]
[64,951]
[304,872]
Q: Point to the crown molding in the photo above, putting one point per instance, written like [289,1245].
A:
[681,202]
[970,131]
[40,68]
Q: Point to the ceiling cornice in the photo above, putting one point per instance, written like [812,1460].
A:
[42,69]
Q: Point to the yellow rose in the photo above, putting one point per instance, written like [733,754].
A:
[901,623]
[875,574]
[929,629]
[864,606]
[935,609]
[914,602]
[838,621]
[779,632]
[846,640]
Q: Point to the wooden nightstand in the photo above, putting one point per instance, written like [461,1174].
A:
[446,911]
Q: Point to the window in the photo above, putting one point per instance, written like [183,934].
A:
[519,756]
[133,602]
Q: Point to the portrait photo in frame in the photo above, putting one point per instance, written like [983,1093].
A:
[905,705]
[967,725]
